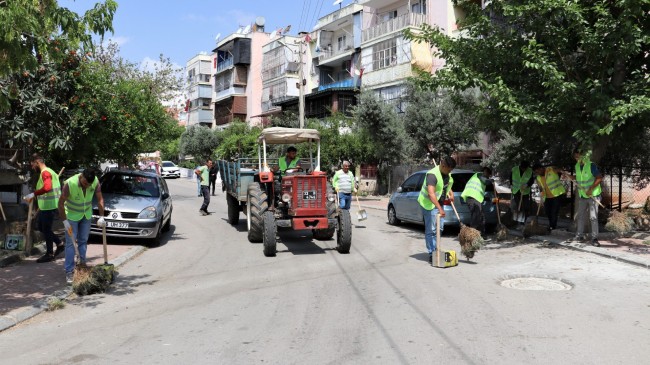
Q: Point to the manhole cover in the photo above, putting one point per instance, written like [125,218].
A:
[533,283]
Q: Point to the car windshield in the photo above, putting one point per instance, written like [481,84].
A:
[130,185]
[461,179]
[168,164]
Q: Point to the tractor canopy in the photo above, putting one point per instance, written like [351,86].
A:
[280,135]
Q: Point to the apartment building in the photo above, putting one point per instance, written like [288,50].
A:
[331,59]
[237,69]
[199,107]
[280,74]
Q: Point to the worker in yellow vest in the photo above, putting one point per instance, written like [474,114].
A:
[47,193]
[76,212]
[521,180]
[474,196]
[288,161]
[588,179]
[436,186]
[552,191]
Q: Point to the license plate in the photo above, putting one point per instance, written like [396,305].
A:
[117,225]
[309,195]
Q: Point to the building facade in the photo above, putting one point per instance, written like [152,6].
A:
[237,69]
[199,103]
[280,74]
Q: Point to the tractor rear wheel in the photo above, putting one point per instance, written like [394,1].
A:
[233,210]
[344,232]
[270,231]
[257,205]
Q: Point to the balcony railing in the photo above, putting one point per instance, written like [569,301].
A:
[223,65]
[393,25]
[343,83]
[231,91]
[334,51]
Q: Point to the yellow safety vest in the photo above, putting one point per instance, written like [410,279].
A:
[551,183]
[49,200]
[79,205]
[423,198]
[283,163]
[518,180]
[585,179]
[474,189]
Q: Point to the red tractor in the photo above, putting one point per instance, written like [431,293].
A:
[298,198]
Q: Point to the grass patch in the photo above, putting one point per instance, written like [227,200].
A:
[55,303]
[646,242]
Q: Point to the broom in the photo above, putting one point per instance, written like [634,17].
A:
[533,228]
[502,231]
[470,239]
[96,279]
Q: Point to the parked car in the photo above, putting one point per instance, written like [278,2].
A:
[403,204]
[136,204]
[169,169]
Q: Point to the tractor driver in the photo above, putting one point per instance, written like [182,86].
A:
[288,161]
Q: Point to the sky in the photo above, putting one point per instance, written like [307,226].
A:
[180,29]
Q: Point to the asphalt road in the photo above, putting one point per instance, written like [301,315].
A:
[208,296]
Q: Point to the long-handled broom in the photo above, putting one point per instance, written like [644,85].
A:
[470,239]
[533,227]
[502,231]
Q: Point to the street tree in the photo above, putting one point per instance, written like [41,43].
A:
[34,32]
[198,141]
[434,120]
[552,72]
[238,140]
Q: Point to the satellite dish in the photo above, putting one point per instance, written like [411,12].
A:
[216,39]
[260,21]
[246,30]
[357,72]
[239,30]
[337,2]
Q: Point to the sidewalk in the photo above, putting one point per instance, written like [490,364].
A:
[26,286]
[631,250]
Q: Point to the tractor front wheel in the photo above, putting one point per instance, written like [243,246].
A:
[327,233]
[344,232]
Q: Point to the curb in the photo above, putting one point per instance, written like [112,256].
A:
[22,314]
[620,256]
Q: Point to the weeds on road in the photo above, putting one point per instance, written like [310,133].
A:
[55,303]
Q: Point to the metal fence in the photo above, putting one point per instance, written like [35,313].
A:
[622,188]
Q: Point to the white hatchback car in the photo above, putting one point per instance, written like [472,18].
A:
[169,169]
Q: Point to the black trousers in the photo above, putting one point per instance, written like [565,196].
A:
[205,190]
[552,209]
[477,219]
[213,182]
[45,220]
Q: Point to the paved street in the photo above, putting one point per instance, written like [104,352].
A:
[207,295]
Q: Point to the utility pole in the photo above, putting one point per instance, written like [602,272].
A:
[301,97]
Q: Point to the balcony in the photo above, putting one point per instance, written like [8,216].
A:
[228,92]
[337,15]
[343,83]
[224,65]
[335,52]
[387,75]
[393,25]
[200,116]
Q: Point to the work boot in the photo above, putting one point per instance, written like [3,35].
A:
[68,277]
[59,250]
[203,212]
[595,242]
[45,258]
[430,259]
[577,238]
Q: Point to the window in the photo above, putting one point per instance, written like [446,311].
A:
[384,54]
[420,8]
[341,43]
[389,15]
[413,183]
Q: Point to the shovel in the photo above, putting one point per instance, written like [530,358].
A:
[361,213]
[109,268]
[520,216]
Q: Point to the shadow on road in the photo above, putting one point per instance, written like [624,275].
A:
[123,285]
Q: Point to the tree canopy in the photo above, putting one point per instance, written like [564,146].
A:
[569,73]
[198,141]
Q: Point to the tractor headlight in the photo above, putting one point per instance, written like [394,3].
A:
[148,212]
[286,197]
[331,197]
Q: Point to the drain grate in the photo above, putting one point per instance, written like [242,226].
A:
[536,283]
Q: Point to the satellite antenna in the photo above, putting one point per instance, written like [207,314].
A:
[246,30]
[273,35]
[338,2]
[239,30]
[357,72]
[260,21]
[216,39]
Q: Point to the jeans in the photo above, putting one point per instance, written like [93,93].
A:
[80,230]
[430,228]
[345,199]
[45,220]
[213,183]
[477,219]
[206,197]
[552,209]
[587,206]
[198,186]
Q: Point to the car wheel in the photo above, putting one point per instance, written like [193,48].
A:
[155,242]
[392,216]
[167,225]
